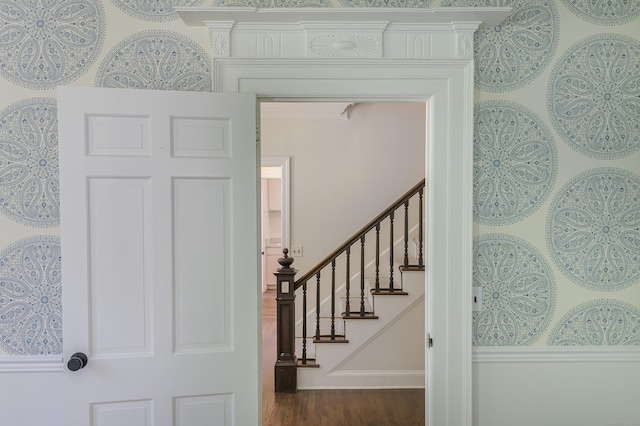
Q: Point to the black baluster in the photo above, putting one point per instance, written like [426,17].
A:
[348,282]
[391,251]
[333,299]
[377,257]
[362,310]
[420,259]
[304,323]
[406,233]
[318,305]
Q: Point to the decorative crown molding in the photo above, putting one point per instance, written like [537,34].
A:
[342,33]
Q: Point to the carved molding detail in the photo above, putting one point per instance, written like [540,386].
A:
[418,46]
[345,46]
[220,44]
[269,45]
[465,45]
[220,38]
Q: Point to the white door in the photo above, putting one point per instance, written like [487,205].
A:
[160,257]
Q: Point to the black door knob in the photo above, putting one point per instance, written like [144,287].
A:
[77,361]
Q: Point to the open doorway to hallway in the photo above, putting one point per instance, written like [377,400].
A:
[274,215]
[349,161]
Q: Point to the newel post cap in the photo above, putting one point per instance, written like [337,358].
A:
[285,262]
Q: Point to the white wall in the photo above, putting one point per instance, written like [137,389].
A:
[345,172]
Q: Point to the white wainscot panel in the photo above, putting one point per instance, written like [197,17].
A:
[201,137]
[552,386]
[120,259]
[204,410]
[122,136]
[201,283]
[126,413]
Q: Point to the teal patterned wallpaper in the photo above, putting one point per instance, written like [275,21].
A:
[556,174]
[556,161]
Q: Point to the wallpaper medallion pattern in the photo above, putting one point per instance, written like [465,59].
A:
[46,43]
[603,322]
[29,179]
[610,12]
[153,10]
[515,162]
[156,59]
[31,297]
[513,54]
[594,96]
[593,229]
[518,291]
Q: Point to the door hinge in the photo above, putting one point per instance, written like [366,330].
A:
[429,341]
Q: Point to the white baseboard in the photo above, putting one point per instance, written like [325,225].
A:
[372,379]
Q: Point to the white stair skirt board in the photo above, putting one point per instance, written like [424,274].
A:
[338,363]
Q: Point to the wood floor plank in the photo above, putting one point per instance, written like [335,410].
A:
[344,407]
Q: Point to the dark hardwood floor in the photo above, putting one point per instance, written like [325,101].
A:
[330,407]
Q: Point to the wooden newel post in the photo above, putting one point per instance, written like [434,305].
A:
[286,375]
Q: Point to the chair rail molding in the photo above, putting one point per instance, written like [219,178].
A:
[364,54]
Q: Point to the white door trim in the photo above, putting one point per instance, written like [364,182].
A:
[381,54]
[447,89]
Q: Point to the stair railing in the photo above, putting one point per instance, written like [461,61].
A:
[415,194]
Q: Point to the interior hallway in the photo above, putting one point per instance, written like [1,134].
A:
[330,407]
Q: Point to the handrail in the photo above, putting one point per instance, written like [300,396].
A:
[368,227]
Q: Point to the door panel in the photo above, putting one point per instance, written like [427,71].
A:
[202,290]
[160,257]
[133,413]
[120,290]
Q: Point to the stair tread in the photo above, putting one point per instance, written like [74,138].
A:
[328,339]
[357,315]
[411,268]
[310,363]
[388,292]
[384,283]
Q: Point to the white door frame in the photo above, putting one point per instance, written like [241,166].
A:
[447,89]
[384,54]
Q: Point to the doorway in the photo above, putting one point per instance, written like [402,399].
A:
[448,94]
[397,55]
[351,161]
[274,218]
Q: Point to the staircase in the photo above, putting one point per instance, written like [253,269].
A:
[387,352]
[358,316]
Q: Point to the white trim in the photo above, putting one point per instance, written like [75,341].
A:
[31,364]
[556,354]
[442,85]
[371,379]
[420,55]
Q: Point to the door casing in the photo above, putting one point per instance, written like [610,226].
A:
[446,86]
[387,54]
